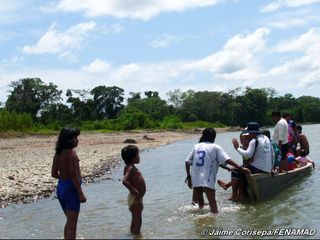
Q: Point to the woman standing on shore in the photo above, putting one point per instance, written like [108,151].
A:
[66,168]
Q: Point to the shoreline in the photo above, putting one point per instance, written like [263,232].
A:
[25,162]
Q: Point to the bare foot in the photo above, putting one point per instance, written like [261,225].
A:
[222,184]
[214,211]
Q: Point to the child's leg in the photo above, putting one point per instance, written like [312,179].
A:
[224,185]
[239,194]
[71,225]
[235,188]
[195,199]
[136,222]
[201,199]
[198,196]
[211,195]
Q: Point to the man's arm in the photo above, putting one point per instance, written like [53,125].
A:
[246,153]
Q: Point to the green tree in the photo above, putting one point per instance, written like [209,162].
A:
[31,95]
[151,94]
[252,106]
[309,108]
[176,98]
[228,107]
[154,107]
[107,101]
[203,105]
[283,104]
[134,96]
[58,112]
[82,107]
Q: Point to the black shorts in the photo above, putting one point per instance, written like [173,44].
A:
[284,151]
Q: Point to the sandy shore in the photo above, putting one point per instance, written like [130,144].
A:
[25,163]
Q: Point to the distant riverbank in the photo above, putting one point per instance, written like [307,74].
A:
[25,162]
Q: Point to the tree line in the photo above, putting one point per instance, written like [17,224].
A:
[33,104]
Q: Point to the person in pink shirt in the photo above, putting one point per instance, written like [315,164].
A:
[303,159]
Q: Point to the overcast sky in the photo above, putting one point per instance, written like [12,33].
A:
[161,45]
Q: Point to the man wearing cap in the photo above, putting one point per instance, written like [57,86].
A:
[260,150]
[280,137]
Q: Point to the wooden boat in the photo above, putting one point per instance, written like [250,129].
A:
[263,185]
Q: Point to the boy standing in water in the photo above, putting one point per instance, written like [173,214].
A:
[134,181]
[204,160]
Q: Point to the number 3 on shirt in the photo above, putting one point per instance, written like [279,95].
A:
[201,156]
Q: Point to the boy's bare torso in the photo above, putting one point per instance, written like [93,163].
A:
[136,179]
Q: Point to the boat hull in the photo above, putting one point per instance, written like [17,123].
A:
[264,185]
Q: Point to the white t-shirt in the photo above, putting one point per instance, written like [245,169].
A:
[263,156]
[205,159]
[281,132]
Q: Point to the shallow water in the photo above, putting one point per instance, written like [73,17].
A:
[167,209]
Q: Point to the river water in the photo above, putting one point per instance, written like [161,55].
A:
[168,212]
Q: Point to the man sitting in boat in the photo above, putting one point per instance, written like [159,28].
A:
[260,150]
[303,159]
[302,141]
[291,160]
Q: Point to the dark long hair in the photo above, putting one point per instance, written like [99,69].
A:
[65,139]
[208,135]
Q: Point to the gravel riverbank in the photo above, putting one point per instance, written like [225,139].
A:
[25,162]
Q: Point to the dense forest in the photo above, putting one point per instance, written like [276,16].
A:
[33,105]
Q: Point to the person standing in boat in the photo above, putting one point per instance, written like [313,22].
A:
[204,159]
[280,136]
[259,150]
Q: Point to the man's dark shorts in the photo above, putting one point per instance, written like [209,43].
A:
[240,175]
[284,150]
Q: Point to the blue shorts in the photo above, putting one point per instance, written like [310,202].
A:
[68,196]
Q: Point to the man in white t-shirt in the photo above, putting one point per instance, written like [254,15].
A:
[259,150]
[261,153]
[204,160]
[280,137]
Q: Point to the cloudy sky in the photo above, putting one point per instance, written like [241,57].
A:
[161,45]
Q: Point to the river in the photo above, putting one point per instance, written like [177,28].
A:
[168,212]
